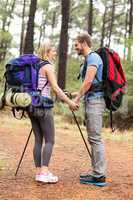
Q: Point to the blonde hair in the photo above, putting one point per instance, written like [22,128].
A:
[44,49]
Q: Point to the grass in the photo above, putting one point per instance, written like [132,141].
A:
[62,122]
[65,112]
[62,114]
[8,122]
[119,136]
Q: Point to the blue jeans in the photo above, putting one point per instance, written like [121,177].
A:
[94,109]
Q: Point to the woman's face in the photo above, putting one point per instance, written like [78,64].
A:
[52,54]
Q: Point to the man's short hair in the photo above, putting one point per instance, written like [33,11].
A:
[84,37]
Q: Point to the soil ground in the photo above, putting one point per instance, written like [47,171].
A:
[68,161]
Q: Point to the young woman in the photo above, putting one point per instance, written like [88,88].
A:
[42,120]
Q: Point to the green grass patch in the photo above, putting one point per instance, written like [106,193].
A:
[9,123]
[119,136]
[65,112]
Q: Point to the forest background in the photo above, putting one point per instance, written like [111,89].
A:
[25,24]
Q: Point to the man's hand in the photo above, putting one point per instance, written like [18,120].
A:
[77,100]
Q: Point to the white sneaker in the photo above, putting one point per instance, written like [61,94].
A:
[37,177]
[46,178]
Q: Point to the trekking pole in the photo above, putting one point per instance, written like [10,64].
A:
[23,153]
[74,116]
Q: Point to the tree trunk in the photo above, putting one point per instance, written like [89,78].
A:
[40,34]
[63,45]
[10,14]
[22,28]
[103,27]
[5,18]
[125,35]
[28,46]
[90,17]
[53,21]
[130,28]
[42,27]
[131,18]
[111,23]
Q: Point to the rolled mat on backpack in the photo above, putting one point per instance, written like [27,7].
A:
[23,100]
[17,99]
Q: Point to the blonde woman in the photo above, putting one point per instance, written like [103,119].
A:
[43,122]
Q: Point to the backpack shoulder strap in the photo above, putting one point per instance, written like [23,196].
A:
[41,64]
[85,68]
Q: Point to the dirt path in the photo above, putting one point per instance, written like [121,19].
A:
[68,161]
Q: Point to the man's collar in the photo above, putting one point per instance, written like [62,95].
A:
[88,53]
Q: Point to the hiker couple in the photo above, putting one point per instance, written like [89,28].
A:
[43,125]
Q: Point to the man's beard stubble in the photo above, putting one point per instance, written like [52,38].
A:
[80,52]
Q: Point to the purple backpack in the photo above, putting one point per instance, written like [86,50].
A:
[22,76]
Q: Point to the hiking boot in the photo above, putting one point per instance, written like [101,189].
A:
[101,181]
[84,175]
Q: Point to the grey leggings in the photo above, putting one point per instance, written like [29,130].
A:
[43,127]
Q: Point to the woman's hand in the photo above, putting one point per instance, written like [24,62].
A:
[73,106]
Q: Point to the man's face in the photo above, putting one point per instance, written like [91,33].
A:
[79,47]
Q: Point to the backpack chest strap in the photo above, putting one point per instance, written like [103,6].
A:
[97,87]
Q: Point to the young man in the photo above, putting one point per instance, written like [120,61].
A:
[91,89]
